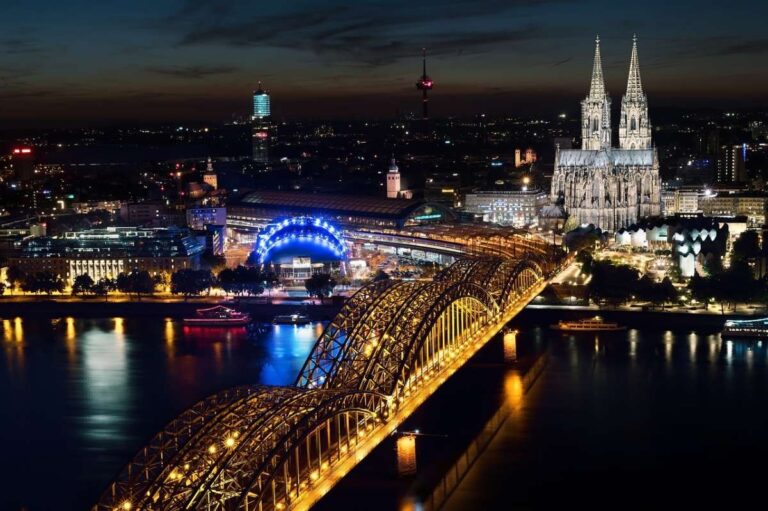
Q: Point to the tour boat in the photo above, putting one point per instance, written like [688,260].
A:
[218,316]
[596,324]
[297,318]
[746,328]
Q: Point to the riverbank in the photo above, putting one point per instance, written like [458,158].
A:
[154,308]
[631,317]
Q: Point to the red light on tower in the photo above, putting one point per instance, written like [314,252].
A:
[424,84]
[22,150]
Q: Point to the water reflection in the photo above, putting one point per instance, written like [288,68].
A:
[91,391]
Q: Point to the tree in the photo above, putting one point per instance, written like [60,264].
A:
[103,287]
[189,282]
[746,246]
[42,282]
[15,276]
[83,284]
[2,288]
[227,281]
[136,282]
[585,258]
[319,285]
[380,276]
[614,284]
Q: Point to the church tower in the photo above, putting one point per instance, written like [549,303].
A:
[634,124]
[596,110]
[393,180]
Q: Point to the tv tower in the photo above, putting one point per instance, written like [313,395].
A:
[424,84]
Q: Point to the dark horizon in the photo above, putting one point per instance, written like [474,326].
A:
[77,64]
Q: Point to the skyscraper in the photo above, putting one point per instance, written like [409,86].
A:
[261,122]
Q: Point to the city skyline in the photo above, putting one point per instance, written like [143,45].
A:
[76,63]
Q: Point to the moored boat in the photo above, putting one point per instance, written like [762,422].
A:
[297,318]
[596,324]
[218,316]
[754,328]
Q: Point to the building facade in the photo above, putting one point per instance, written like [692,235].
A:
[601,185]
[105,253]
[517,208]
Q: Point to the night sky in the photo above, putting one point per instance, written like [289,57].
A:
[80,62]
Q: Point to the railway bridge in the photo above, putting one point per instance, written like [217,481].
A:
[388,349]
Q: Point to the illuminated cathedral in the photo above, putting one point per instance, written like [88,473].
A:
[602,185]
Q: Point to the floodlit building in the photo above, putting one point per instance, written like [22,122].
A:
[601,185]
[261,125]
[105,253]
[517,208]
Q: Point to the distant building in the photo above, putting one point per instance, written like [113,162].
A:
[113,206]
[141,213]
[749,204]
[199,218]
[679,201]
[261,125]
[731,164]
[23,163]
[394,188]
[692,239]
[210,178]
[517,208]
[105,253]
[528,159]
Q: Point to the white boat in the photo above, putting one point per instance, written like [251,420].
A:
[754,328]
[596,324]
[297,318]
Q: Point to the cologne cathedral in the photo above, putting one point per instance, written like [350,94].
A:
[599,184]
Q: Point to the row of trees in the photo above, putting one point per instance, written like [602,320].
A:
[240,281]
[619,283]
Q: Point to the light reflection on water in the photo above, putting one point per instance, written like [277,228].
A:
[83,395]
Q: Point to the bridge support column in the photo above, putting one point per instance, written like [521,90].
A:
[406,455]
[510,345]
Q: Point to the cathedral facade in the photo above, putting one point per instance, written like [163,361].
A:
[602,185]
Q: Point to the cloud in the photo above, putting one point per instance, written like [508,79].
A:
[358,33]
[191,72]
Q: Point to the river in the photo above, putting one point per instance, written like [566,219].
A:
[646,418]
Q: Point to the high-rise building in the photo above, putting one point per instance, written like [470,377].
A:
[730,164]
[600,185]
[393,180]
[261,122]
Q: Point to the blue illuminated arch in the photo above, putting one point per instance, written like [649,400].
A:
[303,229]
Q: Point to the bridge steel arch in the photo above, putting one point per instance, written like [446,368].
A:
[278,448]
[259,454]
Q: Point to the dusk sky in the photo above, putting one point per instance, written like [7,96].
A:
[80,62]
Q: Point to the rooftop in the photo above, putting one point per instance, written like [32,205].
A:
[332,203]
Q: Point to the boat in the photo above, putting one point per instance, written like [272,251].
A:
[754,328]
[297,318]
[218,316]
[596,324]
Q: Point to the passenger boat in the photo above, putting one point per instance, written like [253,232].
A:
[297,318]
[754,328]
[596,324]
[218,316]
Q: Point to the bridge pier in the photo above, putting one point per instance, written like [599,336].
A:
[510,345]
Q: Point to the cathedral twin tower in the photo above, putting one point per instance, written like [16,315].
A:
[610,188]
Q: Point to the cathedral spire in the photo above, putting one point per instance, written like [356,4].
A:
[634,85]
[597,86]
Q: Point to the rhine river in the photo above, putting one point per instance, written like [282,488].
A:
[652,417]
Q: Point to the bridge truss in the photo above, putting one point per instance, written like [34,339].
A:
[278,448]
